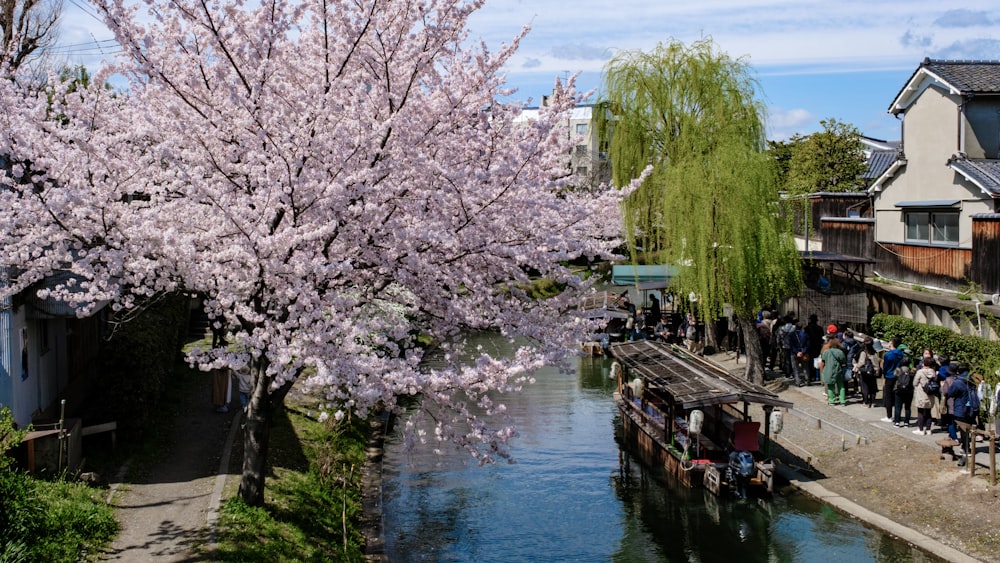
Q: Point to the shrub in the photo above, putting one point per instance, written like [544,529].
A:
[51,521]
[982,354]
[46,521]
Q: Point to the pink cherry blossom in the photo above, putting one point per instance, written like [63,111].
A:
[334,178]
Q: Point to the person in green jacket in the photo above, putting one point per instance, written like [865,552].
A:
[832,363]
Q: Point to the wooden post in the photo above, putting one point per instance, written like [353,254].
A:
[971,452]
[993,458]
[768,409]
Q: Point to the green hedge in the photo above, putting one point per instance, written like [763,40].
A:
[982,354]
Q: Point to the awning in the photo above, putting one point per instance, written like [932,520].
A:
[929,203]
[646,276]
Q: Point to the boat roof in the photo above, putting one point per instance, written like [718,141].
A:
[646,276]
[603,305]
[690,381]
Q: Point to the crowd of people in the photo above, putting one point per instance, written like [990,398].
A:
[880,374]
[942,391]
[649,323]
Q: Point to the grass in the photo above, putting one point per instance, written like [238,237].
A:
[313,468]
[51,521]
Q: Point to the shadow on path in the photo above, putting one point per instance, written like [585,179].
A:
[163,513]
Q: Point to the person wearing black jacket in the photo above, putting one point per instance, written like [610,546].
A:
[815,334]
[966,408]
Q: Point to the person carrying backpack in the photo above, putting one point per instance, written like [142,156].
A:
[799,352]
[903,396]
[764,332]
[965,410]
[852,348]
[890,361]
[924,383]
[784,342]
[866,372]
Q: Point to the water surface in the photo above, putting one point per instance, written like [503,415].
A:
[575,495]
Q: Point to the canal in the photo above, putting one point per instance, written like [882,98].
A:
[575,495]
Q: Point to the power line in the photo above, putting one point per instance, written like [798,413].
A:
[86,10]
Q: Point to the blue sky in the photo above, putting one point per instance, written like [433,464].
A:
[842,59]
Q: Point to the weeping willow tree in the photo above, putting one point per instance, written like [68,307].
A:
[710,204]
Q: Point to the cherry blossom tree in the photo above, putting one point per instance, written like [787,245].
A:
[337,179]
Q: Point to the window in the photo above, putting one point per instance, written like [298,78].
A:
[932,227]
[581,170]
[581,149]
[944,228]
[581,128]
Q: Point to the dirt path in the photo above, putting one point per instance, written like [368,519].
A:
[164,513]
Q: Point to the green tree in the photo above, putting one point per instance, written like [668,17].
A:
[710,204]
[831,160]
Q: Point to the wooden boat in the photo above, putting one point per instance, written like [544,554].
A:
[610,308]
[661,391]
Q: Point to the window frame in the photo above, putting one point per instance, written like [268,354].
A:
[930,224]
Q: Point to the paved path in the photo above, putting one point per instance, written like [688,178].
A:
[164,514]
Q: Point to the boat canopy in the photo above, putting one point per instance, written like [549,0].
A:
[646,276]
[604,305]
[690,382]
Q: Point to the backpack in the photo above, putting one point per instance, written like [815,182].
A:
[972,400]
[904,378]
[933,387]
[786,332]
[868,368]
[853,352]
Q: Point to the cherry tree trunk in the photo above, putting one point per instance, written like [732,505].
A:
[256,439]
[257,434]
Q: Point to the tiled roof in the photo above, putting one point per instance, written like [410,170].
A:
[962,77]
[982,172]
[969,77]
[878,162]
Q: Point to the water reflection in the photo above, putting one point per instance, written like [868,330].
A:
[574,495]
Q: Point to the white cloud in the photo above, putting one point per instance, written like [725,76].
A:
[964,18]
[782,124]
[780,38]
[969,49]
